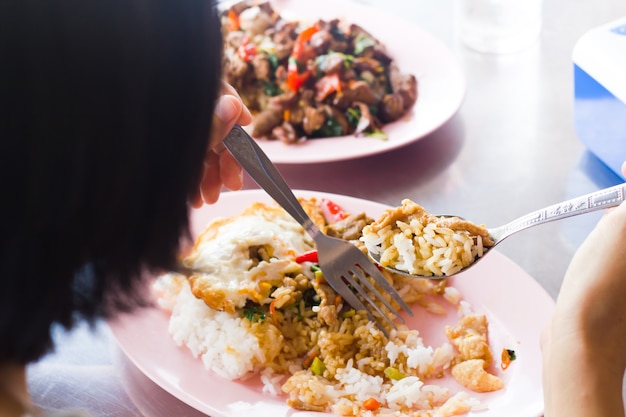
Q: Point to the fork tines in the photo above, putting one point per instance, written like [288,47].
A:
[360,278]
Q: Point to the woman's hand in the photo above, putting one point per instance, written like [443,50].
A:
[220,168]
[584,347]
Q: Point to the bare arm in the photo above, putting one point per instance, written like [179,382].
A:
[584,347]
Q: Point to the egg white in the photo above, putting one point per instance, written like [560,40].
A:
[222,252]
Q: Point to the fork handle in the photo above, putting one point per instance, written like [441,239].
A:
[256,163]
[598,200]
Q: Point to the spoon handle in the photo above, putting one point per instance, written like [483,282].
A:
[598,200]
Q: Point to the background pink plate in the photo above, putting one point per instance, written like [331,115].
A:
[516,305]
[441,82]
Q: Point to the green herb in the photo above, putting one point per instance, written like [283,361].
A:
[254,314]
[353,115]
[511,354]
[320,62]
[298,310]
[330,128]
[271,89]
[362,42]
[338,34]
[273,60]
[300,65]
[378,134]
[311,298]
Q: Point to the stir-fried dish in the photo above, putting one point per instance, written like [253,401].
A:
[262,306]
[305,80]
[410,239]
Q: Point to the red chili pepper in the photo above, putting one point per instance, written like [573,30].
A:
[246,50]
[310,256]
[300,50]
[233,21]
[295,79]
[273,312]
[332,211]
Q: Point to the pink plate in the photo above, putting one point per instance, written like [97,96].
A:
[441,83]
[516,305]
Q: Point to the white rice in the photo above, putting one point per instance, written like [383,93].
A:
[221,340]
[416,243]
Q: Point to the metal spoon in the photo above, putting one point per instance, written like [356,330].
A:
[601,199]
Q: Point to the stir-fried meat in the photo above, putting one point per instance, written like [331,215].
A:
[237,8]
[350,227]
[265,121]
[262,70]
[372,65]
[285,133]
[340,119]
[367,120]
[256,20]
[284,38]
[376,49]
[403,84]
[410,210]
[354,91]
[326,38]
[295,116]
[320,41]
[284,101]
[392,107]
[327,308]
[330,63]
[458,224]
[305,81]
[236,70]
[234,39]
[314,119]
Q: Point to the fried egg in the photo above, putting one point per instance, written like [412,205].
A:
[244,256]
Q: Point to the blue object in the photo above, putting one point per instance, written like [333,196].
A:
[620,30]
[600,93]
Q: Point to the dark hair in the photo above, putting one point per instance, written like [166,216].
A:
[105,113]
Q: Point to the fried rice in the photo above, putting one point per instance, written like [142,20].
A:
[410,239]
[315,350]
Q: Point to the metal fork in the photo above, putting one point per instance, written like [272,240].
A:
[345,267]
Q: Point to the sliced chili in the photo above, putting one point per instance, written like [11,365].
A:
[332,211]
[295,78]
[247,50]
[300,51]
[310,256]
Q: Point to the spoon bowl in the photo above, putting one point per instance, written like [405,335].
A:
[598,200]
